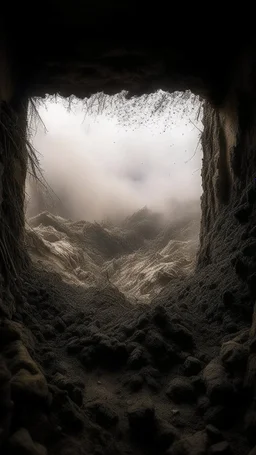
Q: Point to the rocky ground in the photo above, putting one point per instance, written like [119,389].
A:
[140,255]
[89,372]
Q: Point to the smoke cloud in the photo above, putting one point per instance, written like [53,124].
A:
[100,168]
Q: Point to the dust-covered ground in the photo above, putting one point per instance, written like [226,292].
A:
[124,377]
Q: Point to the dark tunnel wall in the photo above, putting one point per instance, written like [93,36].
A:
[13,167]
[228,171]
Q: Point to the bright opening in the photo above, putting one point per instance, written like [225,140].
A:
[118,200]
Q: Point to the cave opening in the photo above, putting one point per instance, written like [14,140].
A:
[117,197]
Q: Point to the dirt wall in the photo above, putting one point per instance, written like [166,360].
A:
[13,163]
[229,168]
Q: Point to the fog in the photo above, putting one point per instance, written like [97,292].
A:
[101,167]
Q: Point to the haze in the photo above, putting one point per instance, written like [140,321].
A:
[102,168]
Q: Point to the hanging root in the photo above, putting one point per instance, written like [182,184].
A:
[13,158]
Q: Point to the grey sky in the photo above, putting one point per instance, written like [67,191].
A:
[107,167]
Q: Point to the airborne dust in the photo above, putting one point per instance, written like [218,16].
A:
[131,172]
[109,165]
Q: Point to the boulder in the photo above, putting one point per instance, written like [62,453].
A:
[27,380]
[22,443]
[234,356]
[180,389]
[219,389]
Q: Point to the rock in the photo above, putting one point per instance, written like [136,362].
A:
[252,345]
[152,383]
[213,434]
[152,377]
[127,329]
[71,419]
[76,395]
[46,315]
[87,356]
[241,268]
[136,382]
[138,336]
[37,423]
[59,397]
[182,336]
[192,445]
[49,359]
[157,347]
[220,416]
[242,337]
[142,321]
[110,354]
[73,347]
[250,426]
[72,387]
[198,384]
[243,213]
[154,342]
[251,195]
[219,389]
[104,352]
[6,403]
[221,448]
[9,331]
[38,335]
[231,327]
[22,443]
[142,423]
[228,298]
[5,374]
[166,434]
[252,232]
[27,380]
[29,386]
[234,356]
[138,358]
[252,284]
[48,332]
[103,415]
[160,316]
[250,250]
[68,446]
[243,382]
[60,325]
[180,390]
[192,366]
[61,381]
[203,403]
[172,328]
